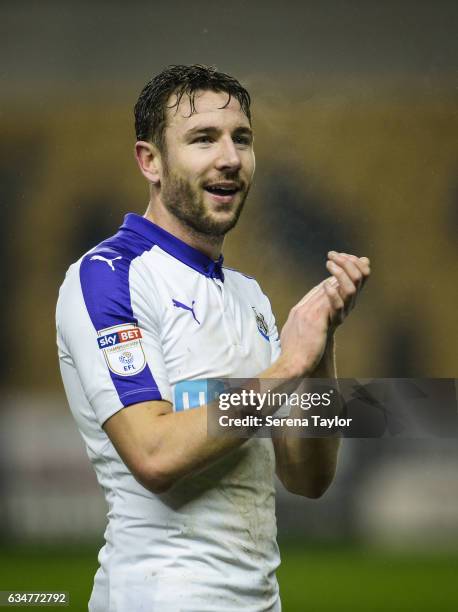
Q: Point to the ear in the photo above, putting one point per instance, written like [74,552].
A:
[149,161]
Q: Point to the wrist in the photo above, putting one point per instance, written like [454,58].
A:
[326,367]
[287,368]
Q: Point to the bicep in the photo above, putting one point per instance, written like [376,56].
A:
[116,350]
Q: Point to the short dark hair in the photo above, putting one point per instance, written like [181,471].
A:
[151,107]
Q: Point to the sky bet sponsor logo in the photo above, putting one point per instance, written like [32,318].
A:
[126,335]
[122,348]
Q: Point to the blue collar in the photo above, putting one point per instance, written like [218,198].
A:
[174,246]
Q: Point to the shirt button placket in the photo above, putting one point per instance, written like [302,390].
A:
[228,319]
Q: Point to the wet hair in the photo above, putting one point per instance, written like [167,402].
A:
[151,107]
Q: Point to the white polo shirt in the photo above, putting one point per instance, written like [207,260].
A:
[138,317]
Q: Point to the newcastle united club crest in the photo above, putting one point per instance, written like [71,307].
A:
[261,323]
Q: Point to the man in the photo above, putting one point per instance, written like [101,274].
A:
[191,521]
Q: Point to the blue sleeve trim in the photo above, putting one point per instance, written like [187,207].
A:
[104,277]
[142,395]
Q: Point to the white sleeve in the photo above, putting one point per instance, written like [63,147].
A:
[116,354]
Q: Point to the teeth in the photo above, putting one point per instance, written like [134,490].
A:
[217,189]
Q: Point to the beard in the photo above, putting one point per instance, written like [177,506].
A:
[187,204]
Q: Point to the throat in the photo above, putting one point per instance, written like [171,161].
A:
[209,245]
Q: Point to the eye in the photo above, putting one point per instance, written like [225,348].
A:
[202,139]
[244,140]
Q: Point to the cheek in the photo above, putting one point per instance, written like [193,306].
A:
[192,165]
[250,165]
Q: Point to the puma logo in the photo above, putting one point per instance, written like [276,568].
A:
[178,304]
[107,261]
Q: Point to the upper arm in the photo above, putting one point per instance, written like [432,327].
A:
[114,343]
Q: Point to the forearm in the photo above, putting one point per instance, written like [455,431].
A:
[326,368]
[178,444]
[306,466]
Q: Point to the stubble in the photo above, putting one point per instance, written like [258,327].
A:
[187,204]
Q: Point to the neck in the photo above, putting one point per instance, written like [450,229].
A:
[209,245]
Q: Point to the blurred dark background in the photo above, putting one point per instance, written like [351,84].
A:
[356,137]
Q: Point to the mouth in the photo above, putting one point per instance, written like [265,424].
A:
[223,192]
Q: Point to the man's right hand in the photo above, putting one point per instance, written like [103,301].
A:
[304,335]
[320,311]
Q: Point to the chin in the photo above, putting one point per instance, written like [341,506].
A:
[219,225]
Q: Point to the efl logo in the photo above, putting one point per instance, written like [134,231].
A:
[121,346]
[126,335]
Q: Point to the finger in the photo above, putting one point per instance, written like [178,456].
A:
[365,267]
[346,288]
[336,302]
[314,293]
[330,279]
[334,296]
[362,263]
[349,265]
[308,296]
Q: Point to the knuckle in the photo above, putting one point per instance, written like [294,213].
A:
[337,301]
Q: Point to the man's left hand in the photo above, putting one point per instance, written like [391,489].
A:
[349,274]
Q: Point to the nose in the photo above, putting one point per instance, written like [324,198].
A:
[228,156]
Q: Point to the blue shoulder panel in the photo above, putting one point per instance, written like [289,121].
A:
[104,277]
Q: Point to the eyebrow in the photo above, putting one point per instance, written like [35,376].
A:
[242,129]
